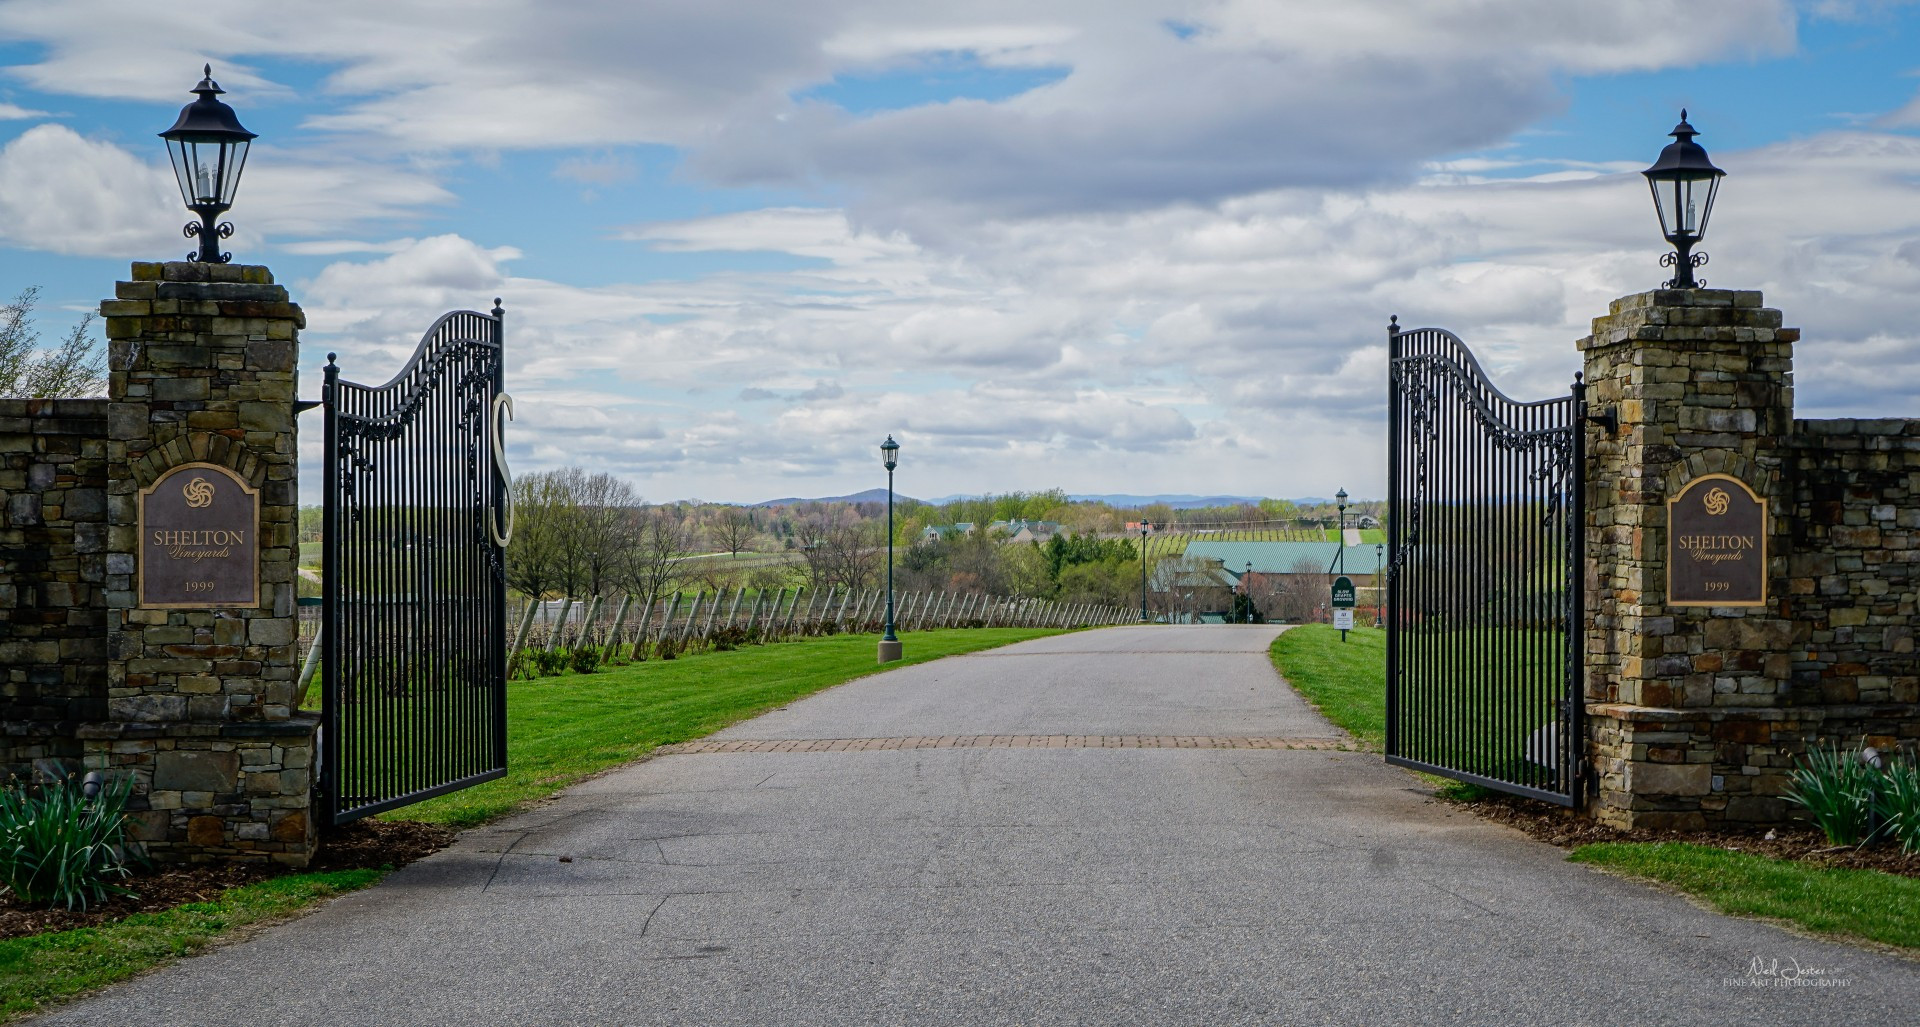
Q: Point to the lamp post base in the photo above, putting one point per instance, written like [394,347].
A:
[889,651]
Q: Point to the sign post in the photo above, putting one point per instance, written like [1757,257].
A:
[1344,597]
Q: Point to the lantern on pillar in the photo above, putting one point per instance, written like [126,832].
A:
[1684,184]
[209,149]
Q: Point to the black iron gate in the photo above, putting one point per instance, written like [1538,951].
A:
[413,618]
[1484,592]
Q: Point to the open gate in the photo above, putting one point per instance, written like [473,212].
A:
[413,613]
[1484,594]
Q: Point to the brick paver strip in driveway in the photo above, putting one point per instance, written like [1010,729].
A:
[1002,742]
[1145,882]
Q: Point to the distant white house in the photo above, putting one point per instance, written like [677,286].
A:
[936,532]
[1013,531]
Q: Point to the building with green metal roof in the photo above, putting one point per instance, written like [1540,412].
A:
[1286,557]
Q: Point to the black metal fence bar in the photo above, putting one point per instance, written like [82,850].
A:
[414,631]
[1483,587]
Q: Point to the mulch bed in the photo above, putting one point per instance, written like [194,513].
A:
[363,844]
[1556,825]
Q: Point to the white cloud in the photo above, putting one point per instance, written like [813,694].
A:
[1173,263]
[64,193]
[1190,347]
[1263,94]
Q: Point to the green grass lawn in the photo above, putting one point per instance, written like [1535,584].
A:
[47,967]
[1507,680]
[1852,904]
[1348,682]
[563,729]
[1498,685]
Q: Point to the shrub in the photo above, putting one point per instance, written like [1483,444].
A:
[58,847]
[549,661]
[1837,788]
[669,648]
[727,639]
[1897,804]
[584,660]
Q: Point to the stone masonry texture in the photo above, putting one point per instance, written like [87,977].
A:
[1696,714]
[53,567]
[199,703]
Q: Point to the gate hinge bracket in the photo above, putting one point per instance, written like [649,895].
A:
[301,406]
[1608,419]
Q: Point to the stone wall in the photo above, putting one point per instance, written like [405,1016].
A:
[1854,576]
[1696,714]
[53,564]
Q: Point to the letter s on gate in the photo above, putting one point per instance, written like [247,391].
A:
[502,413]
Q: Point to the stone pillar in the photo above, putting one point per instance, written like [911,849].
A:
[200,701]
[1684,702]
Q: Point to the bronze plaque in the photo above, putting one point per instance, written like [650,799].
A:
[1716,544]
[199,540]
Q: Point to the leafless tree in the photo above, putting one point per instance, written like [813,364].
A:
[606,505]
[840,550]
[541,512]
[1301,591]
[77,367]
[648,561]
[732,529]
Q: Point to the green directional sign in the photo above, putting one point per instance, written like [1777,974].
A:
[1344,594]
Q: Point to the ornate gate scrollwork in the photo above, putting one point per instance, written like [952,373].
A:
[413,613]
[1484,582]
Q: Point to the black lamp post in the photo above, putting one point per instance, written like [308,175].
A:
[1143,573]
[889,643]
[1246,592]
[1684,183]
[1340,500]
[209,149]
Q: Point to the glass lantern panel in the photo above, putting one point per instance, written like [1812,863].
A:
[1703,193]
[1686,205]
[204,161]
[207,171]
[1665,203]
[182,169]
[234,158]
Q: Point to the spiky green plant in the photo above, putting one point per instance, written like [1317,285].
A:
[1897,803]
[60,848]
[1837,787]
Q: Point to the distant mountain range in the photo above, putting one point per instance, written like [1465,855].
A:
[869,496]
[1119,501]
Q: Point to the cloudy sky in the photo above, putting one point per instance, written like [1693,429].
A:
[1110,245]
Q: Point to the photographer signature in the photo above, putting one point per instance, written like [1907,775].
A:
[1789,970]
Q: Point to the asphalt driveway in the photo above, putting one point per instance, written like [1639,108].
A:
[1139,825]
